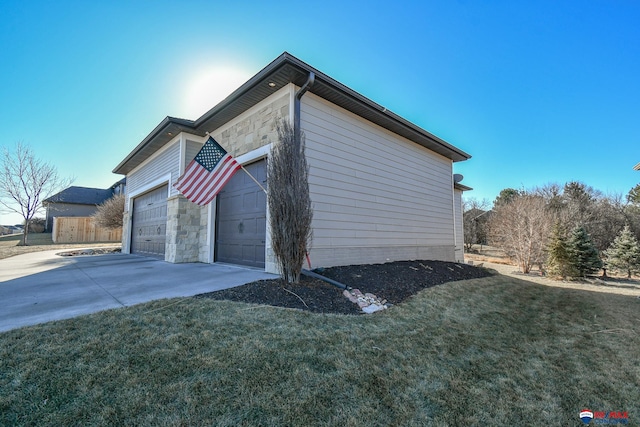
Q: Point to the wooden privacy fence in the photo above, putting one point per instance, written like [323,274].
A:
[67,229]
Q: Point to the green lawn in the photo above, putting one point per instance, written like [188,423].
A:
[486,352]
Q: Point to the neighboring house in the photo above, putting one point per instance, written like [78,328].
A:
[382,188]
[78,201]
[475,226]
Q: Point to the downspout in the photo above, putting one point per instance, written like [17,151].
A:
[296,102]
[324,279]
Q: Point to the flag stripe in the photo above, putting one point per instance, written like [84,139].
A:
[207,173]
[209,195]
[194,172]
[209,177]
[211,185]
[197,175]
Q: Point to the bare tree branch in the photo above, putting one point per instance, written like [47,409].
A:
[109,213]
[289,202]
[521,228]
[25,181]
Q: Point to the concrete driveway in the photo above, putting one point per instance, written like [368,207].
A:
[42,286]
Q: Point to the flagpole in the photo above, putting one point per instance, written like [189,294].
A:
[254,180]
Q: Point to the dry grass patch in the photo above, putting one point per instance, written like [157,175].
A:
[10,245]
[493,351]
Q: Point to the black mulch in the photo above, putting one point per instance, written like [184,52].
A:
[394,281]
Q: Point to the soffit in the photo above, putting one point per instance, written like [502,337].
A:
[284,70]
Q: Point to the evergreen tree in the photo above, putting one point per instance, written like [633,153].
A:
[506,196]
[634,195]
[624,253]
[583,256]
[558,259]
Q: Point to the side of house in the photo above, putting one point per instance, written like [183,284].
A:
[382,189]
[376,196]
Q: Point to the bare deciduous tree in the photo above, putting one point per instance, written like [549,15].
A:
[521,228]
[109,213]
[289,202]
[25,181]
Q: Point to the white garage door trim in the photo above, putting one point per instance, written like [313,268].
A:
[241,219]
[146,219]
[247,158]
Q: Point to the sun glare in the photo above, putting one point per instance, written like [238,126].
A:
[208,86]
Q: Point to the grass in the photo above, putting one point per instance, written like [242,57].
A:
[10,245]
[494,351]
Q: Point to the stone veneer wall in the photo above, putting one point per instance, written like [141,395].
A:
[126,234]
[255,130]
[187,223]
[183,230]
[203,246]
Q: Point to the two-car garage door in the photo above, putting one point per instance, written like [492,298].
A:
[240,220]
[149,223]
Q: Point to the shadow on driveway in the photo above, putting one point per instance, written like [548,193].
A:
[41,287]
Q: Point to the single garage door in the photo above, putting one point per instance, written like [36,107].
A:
[149,229]
[241,218]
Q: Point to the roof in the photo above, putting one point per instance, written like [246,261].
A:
[461,187]
[80,196]
[637,167]
[284,70]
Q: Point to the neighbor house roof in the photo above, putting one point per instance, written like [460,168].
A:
[80,196]
[284,70]
[637,167]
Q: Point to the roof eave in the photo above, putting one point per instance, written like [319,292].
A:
[461,187]
[283,70]
[160,135]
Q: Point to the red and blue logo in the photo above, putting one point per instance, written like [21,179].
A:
[603,417]
[586,416]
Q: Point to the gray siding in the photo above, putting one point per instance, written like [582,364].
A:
[376,196]
[167,162]
[191,150]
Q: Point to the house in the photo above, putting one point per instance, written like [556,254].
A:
[382,188]
[78,201]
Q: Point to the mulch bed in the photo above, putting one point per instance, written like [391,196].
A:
[394,282]
[85,252]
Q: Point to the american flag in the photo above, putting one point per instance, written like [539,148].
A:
[205,176]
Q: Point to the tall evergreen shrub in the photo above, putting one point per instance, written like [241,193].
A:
[624,253]
[584,257]
[558,258]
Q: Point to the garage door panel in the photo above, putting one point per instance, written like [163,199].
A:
[149,223]
[241,219]
[251,252]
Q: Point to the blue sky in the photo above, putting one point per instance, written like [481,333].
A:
[537,92]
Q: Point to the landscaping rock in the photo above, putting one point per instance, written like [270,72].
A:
[368,303]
